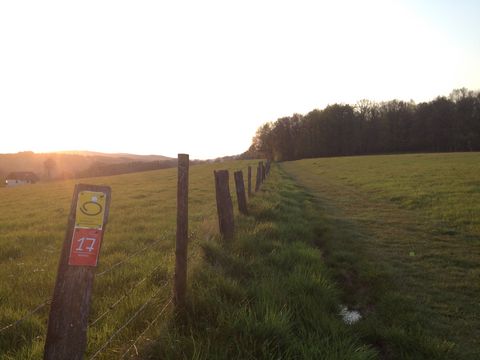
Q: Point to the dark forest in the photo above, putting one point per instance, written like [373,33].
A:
[445,124]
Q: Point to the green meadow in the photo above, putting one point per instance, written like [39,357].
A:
[139,243]
[403,239]
[393,237]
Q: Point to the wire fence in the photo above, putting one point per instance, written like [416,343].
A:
[28,315]
[47,302]
[124,325]
[155,319]
[128,258]
[126,294]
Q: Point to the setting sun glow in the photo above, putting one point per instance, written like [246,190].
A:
[200,77]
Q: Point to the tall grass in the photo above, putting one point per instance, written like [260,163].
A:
[402,239]
[267,294]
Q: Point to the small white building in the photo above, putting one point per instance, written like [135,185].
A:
[21,178]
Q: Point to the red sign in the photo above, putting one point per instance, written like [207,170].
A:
[85,247]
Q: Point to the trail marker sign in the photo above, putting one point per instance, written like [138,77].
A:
[88,230]
[68,319]
[85,247]
[90,210]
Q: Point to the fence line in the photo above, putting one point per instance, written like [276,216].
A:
[125,295]
[133,317]
[28,315]
[49,300]
[158,242]
[146,329]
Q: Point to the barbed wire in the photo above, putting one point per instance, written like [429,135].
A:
[48,301]
[133,317]
[28,315]
[158,242]
[126,294]
[147,328]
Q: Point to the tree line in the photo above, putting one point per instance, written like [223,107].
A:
[445,124]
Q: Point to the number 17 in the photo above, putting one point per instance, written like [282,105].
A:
[83,241]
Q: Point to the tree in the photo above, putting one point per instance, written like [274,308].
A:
[50,165]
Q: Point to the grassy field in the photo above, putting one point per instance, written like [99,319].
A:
[267,294]
[395,237]
[403,240]
[140,232]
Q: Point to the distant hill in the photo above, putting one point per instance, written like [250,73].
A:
[68,164]
[125,156]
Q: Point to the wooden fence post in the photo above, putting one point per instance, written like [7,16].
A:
[249,181]
[263,172]
[224,204]
[240,188]
[267,168]
[68,319]
[258,178]
[180,278]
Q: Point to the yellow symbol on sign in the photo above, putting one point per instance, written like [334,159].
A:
[90,210]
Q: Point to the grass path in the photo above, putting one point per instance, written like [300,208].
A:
[404,259]
[266,295]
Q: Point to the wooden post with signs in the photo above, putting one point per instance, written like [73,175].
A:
[224,204]
[249,181]
[181,247]
[240,188]
[68,319]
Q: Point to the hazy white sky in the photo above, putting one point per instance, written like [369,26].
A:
[162,77]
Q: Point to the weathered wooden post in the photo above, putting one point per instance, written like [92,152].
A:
[180,279]
[224,204]
[240,188]
[249,181]
[258,179]
[263,172]
[68,319]
[267,168]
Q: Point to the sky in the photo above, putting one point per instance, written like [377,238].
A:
[199,77]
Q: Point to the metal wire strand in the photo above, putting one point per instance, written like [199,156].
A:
[147,328]
[133,317]
[125,295]
[129,257]
[28,315]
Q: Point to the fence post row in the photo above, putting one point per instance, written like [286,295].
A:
[260,170]
[249,181]
[258,179]
[224,204]
[180,278]
[68,318]
[240,188]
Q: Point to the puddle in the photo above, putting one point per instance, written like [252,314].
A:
[349,316]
